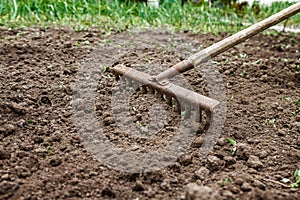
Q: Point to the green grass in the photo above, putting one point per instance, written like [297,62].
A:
[117,15]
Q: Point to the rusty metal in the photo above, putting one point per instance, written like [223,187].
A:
[181,98]
[173,71]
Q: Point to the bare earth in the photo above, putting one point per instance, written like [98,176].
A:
[42,156]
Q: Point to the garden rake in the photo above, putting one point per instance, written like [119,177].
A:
[187,100]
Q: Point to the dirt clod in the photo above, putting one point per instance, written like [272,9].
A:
[139,186]
[22,171]
[4,154]
[214,163]
[107,192]
[243,151]
[185,160]
[7,187]
[254,162]
[55,161]
[196,192]
[246,187]
[259,184]
[202,173]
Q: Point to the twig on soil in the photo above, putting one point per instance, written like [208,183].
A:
[276,182]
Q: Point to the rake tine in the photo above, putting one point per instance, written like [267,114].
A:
[187,113]
[174,95]
[169,100]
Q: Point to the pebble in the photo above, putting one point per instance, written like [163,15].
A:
[5,177]
[280,109]
[196,192]
[281,133]
[150,193]
[108,120]
[139,186]
[263,154]
[198,142]
[21,123]
[185,160]
[246,187]
[239,181]
[68,45]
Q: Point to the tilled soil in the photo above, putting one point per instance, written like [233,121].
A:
[43,154]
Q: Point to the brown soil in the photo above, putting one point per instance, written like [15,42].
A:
[42,155]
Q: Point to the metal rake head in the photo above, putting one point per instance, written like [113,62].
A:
[184,100]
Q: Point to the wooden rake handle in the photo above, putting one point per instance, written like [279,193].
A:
[227,43]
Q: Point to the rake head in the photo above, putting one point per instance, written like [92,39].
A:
[182,99]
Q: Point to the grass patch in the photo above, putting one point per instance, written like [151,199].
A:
[121,15]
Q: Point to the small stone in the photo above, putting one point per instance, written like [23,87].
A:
[5,177]
[150,193]
[259,184]
[139,186]
[196,192]
[21,123]
[254,162]
[246,187]
[239,181]
[106,114]
[108,121]
[263,154]
[202,173]
[281,133]
[68,45]
[185,160]
[280,109]
[8,187]
[197,142]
